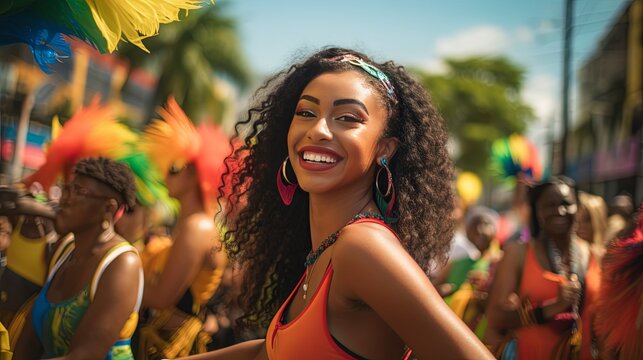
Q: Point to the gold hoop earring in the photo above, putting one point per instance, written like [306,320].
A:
[283,172]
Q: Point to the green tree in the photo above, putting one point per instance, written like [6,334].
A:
[187,54]
[479,98]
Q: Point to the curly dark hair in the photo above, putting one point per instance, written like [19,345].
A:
[115,175]
[272,239]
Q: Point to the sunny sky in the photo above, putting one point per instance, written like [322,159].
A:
[421,32]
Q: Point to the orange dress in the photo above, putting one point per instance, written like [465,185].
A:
[538,341]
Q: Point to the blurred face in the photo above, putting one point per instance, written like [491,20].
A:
[132,225]
[584,229]
[480,231]
[84,203]
[179,179]
[335,135]
[556,209]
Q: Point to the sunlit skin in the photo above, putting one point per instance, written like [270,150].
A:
[584,228]
[194,235]
[379,298]
[83,207]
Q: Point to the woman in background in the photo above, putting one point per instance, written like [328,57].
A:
[534,307]
[181,275]
[87,309]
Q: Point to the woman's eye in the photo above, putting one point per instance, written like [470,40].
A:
[305,113]
[350,118]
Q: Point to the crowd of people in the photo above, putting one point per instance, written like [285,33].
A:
[328,227]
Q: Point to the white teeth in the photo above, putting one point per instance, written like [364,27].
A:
[311,156]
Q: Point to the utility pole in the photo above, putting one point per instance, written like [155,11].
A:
[567,55]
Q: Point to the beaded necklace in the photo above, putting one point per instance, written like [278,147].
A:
[570,272]
[313,255]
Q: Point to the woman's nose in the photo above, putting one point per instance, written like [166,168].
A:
[320,130]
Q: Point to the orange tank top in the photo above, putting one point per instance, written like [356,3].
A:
[539,286]
[307,335]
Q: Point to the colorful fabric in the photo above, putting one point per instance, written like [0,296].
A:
[5,350]
[26,257]
[55,323]
[619,315]
[202,287]
[541,286]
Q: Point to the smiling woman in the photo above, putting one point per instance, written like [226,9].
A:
[335,245]
[544,293]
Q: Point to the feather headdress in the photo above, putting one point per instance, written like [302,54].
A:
[92,131]
[150,187]
[174,140]
[95,131]
[619,314]
[101,23]
[513,157]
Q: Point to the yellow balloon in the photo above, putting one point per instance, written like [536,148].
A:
[469,187]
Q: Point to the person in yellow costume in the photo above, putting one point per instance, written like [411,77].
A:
[28,239]
[182,274]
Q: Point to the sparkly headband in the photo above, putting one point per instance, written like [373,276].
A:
[371,70]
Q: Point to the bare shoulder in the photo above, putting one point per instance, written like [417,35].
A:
[200,222]
[129,262]
[370,247]
[514,252]
[366,238]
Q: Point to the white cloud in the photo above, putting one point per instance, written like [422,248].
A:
[435,66]
[523,34]
[547,26]
[541,93]
[479,40]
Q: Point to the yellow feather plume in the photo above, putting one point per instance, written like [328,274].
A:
[135,20]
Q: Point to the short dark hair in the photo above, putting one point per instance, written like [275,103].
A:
[117,176]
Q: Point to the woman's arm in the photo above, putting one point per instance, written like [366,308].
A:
[379,272]
[113,303]
[249,350]
[186,257]
[503,300]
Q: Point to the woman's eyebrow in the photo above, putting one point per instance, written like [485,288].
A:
[351,101]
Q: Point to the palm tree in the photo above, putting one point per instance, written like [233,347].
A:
[186,55]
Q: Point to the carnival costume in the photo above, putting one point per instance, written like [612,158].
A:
[549,339]
[55,323]
[174,142]
[93,131]
[619,315]
[43,24]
